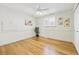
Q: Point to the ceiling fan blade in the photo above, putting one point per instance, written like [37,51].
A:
[38,8]
[45,9]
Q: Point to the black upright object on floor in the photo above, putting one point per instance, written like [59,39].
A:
[37,31]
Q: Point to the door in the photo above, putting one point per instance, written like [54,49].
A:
[76,28]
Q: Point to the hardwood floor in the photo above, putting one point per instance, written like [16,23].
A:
[38,46]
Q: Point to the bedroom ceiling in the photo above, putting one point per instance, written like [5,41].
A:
[30,8]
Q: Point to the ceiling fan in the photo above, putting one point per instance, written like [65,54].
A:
[41,9]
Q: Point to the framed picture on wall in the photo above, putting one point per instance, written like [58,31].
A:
[60,21]
[28,23]
[67,22]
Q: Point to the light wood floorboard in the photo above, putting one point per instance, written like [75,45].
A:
[38,46]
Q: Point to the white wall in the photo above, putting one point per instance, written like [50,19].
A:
[13,26]
[58,32]
[15,30]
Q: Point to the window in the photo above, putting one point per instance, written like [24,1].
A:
[49,21]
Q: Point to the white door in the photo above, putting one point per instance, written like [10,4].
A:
[76,27]
[76,19]
[76,41]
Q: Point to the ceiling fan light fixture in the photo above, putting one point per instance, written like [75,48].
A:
[39,13]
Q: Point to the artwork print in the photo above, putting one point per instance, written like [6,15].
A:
[28,23]
[60,21]
[67,22]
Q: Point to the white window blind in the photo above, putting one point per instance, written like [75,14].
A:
[49,21]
